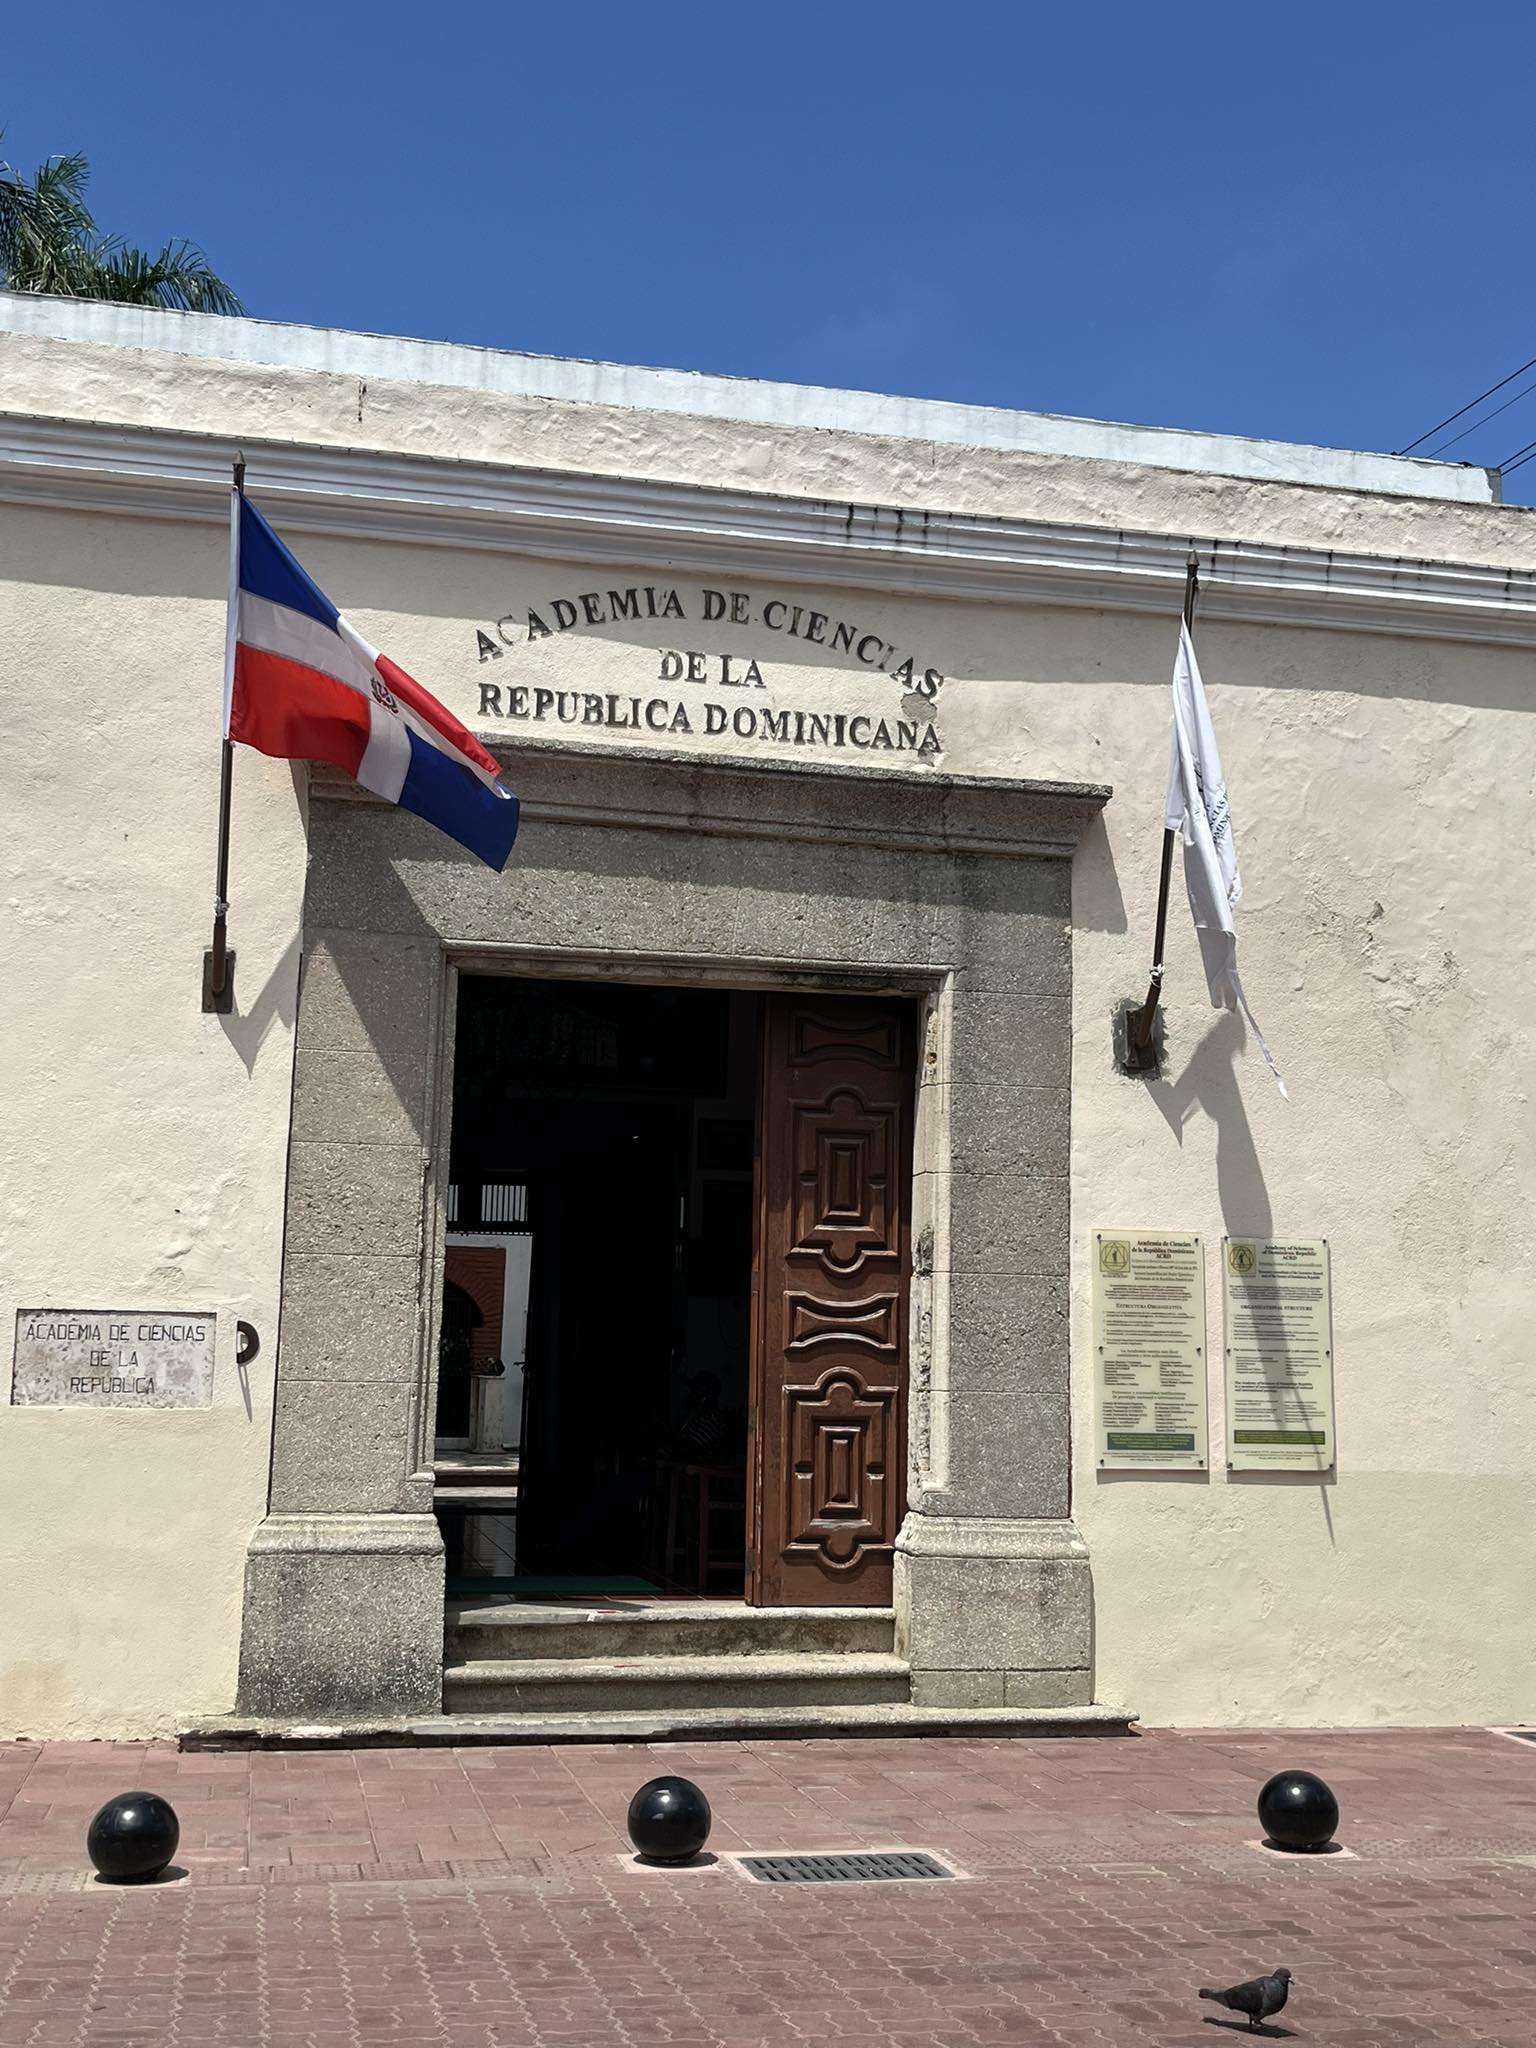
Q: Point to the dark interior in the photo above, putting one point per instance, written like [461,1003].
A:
[628,1114]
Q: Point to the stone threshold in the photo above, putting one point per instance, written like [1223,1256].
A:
[465,1731]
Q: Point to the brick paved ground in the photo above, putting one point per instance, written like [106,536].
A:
[482,1899]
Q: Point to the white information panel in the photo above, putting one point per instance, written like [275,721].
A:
[1278,1313]
[1149,1349]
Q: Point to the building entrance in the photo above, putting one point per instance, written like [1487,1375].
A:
[673,1355]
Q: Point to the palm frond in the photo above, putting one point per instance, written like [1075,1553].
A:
[43,223]
[59,188]
[49,243]
[179,276]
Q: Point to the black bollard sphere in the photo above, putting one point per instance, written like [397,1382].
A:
[669,1820]
[1298,1811]
[133,1837]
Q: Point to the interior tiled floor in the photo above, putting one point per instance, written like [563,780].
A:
[485,1898]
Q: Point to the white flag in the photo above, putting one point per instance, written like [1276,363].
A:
[1197,807]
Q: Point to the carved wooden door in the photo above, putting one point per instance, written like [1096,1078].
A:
[829,1363]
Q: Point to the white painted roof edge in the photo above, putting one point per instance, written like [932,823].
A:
[693,394]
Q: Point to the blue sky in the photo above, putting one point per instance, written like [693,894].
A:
[1312,222]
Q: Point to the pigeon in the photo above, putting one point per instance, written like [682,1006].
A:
[1260,1998]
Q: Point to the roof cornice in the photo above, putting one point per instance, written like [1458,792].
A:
[165,473]
[284,347]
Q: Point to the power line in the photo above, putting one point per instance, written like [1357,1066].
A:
[1518,460]
[1441,446]
[1450,418]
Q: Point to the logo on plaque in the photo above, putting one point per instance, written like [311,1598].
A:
[1114,1257]
[1241,1260]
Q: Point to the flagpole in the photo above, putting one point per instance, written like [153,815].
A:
[1143,1033]
[219,961]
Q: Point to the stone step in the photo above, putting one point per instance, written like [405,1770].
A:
[597,1685]
[481,1629]
[657,1724]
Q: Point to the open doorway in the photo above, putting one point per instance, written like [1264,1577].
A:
[592,1431]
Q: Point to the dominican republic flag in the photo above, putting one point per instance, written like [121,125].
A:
[302,684]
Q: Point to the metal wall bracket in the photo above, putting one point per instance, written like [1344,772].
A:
[1131,1057]
[222,1003]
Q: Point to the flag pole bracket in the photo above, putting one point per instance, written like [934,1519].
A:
[219,1000]
[1138,1050]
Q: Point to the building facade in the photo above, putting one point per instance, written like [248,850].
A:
[840,726]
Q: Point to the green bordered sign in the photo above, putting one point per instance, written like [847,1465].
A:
[1277,1302]
[1149,1350]
[1148,1440]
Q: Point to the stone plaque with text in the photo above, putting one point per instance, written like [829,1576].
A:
[1149,1349]
[112,1358]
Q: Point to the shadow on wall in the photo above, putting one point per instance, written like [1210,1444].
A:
[277,1002]
[1097,905]
[249,1024]
[1209,1086]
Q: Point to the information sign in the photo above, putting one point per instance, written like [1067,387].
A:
[1149,1349]
[1278,1304]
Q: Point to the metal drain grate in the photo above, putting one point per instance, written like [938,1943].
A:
[899,1863]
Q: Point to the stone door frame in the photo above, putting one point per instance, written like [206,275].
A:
[953,891]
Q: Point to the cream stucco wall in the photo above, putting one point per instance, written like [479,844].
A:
[1382,801]
[1382,789]
[142,1144]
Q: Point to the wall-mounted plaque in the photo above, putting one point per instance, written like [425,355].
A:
[1278,1302]
[113,1358]
[1149,1349]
